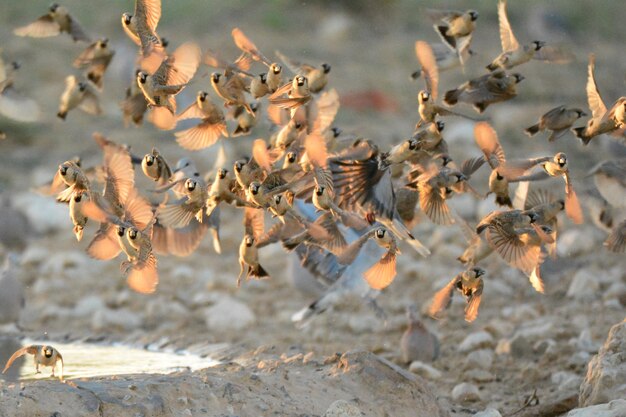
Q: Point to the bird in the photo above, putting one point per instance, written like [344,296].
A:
[514,54]
[455,28]
[433,186]
[169,79]
[245,120]
[13,104]
[488,142]
[599,122]
[58,20]
[208,131]
[140,26]
[417,342]
[12,298]
[274,75]
[445,58]
[95,59]
[616,241]
[248,252]
[297,92]
[81,94]
[557,120]
[44,355]
[556,166]
[231,90]
[609,177]
[134,105]
[470,284]
[155,167]
[485,90]
[316,76]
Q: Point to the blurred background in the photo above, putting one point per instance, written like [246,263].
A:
[370,46]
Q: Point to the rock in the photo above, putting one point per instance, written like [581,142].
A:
[489,412]
[465,205]
[616,290]
[479,375]
[616,408]
[566,381]
[34,255]
[59,261]
[425,370]
[106,318]
[360,323]
[520,312]
[606,373]
[228,314]
[482,359]
[477,340]
[33,205]
[342,408]
[584,286]
[465,392]
[584,342]
[521,346]
[88,305]
[577,241]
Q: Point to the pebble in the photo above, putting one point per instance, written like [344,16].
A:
[34,255]
[107,318]
[476,340]
[228,314]
[33,205]
[521,346]
[465,392]
[489,412]
[58,262]
[425,370]
[342,408]
[482,359]
[615,408]
[479,375]
[88,305]
[577,241]
[584,285]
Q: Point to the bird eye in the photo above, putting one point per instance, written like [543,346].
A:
[425,95]
[277,199]
[78,197]
[190,185]
[326,68]
[149,160]
[276,68]
[440,125]
[222,173]
[132,234]
[412,144]
[319,190]
[120,231]
[215,77]
[291,157]
[127,18]
[380,233]
[63,170]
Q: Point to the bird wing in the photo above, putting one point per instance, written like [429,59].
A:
[254,222]
[471,310]
[442,298]
[77,32]
[201,136]
[143,276]
[325,109]
[43,27]
[572,205]
[507,38]
[596,105]
[32,349]
[382,273]
[246,45]
[487,140]
[149,11]
[183,63]
[427,60]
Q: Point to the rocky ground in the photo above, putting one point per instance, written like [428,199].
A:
[522,345]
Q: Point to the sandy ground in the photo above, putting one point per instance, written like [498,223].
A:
[536,342]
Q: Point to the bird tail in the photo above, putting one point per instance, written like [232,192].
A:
[62,115]
[303,317]
[257,271]
[504,201]
[532,130]
[452,97]
[416,75]
[580,134]
[492,67]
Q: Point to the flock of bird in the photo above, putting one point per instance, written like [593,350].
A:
[330,194]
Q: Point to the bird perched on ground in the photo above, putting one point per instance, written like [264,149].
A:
[12,299]
[470,284]
[455,28]
[57,20]
[514,54]
[418,343]
[44,355]
[81,94]
[600,121]
[558,121]
[488,89]
[95,59]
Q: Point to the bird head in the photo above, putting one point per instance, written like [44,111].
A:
[48,351]
[326,68]
[561,159]
[538,45]
[221,173]
[202,95]
[149,159]
[478,271]
[518,78]
[424,96]
[132,233]
[190,184]
[82,86]
[336,131]
[413,144]
[439,125]
[121,230]
[127,18]
[263,78]
[54,7]
[291,157]
[276,68]
[215,77]
[142,76]
[254,187]
[300,80]
[249,240]
[473,15]
[319,190]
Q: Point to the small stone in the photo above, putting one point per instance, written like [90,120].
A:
[566,381]
[482,358]
[477,340]
[616,408]
[479,375]
[616,290]
[88,305]
[577,241]
[584,286]
[229,314]
[106,318]
[503,347]
[543,346]
[521,346]
[489,412]
[33,205]
[342,408]
[465,392]
[425,370]
[59,261]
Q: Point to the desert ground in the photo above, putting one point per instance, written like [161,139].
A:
[347,360]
